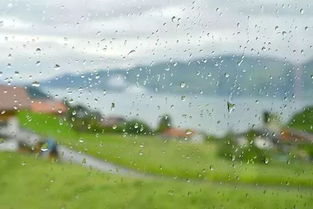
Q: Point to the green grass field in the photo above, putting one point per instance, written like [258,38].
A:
[27,182]
[171,158]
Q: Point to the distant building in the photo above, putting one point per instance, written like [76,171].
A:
[112,120]
[290,135]
[263,143]
[285,135]
[12,99]
[191,135]
[49,107]
[268,138]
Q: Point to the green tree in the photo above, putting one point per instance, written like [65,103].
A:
[164,123]
[137,127]
[303,120]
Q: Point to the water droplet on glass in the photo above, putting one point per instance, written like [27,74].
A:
[230,106]
[56,67]
[182,85]
[189,132]
[301,11]
[36,84]
[131,51]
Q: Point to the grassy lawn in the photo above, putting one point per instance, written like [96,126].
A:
[171,158]
[30,183]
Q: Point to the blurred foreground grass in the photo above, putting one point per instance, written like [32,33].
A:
[29,183]
[171,158]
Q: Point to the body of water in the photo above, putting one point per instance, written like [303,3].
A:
[209,114]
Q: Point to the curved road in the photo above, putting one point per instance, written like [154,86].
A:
[22,136]
[71,156]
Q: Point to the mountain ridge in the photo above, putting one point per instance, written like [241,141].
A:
[223,75]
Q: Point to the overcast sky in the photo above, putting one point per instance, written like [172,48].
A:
[40,39]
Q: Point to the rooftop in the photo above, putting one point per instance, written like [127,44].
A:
[13,98]
[48,106]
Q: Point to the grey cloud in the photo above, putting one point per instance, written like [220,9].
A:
[87,35]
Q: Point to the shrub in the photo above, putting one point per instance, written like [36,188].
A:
[136,127]
[164,123]
[249,153]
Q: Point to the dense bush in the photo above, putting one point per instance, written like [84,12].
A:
[249,153]
[83,119]
[132,127]
[86,125]
[136,127]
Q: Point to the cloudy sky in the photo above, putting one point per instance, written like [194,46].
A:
[40,39]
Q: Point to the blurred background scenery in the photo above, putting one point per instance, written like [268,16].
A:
[156,104]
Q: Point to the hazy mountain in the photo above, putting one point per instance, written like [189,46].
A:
[306,84]
[225,75]
[36,93]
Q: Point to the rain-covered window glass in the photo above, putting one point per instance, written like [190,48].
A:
[156,104]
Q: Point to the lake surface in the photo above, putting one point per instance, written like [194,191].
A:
[209,114]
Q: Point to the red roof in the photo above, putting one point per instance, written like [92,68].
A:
[13,98]
[48,106]
[293,135]
[178,133]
